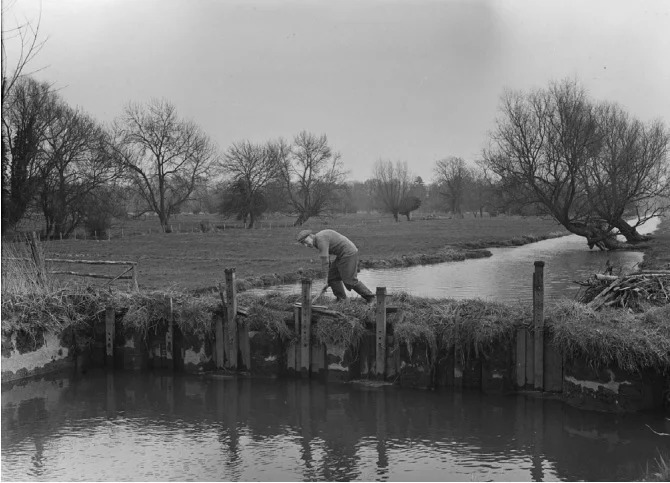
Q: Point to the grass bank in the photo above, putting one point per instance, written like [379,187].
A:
[195,261]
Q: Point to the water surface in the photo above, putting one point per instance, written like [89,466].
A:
[140,427]
[507,275]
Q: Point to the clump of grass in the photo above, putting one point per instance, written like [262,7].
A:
[661,468]
[144,311]
[338,331]
[631,341]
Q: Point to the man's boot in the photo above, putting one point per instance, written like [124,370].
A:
[363,291]
[338,290]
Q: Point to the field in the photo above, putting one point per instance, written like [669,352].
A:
[189,259]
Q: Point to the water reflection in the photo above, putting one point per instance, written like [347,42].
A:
[505,276]
[165,427]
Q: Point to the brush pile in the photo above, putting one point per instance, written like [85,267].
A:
[637,291]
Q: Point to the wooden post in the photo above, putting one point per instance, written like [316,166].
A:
[109,337]
[38,256]
[219,341]
[521,357]
[245,346]
[292,352]
[134,272]
[538,323]
[169,336]
[380,317]
[306,327]
[231,319]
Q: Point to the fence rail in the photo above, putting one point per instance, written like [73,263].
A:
[129,273]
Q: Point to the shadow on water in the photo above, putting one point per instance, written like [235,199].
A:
[127,426]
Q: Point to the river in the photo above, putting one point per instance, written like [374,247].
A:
[506,276]
[154,426]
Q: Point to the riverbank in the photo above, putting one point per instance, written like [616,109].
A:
[657,250]
[270,255]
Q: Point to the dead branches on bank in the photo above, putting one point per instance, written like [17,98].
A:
[634,291]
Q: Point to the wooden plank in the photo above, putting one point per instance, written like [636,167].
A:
[538,324]
[91,275]
[245,346]
[231,319]
[169,338]
[318,359]
[306,328]
[109,336]
[292,349]
[521,357]
[530,359]
[90,262]
[219,341]
[380,341]
[553,368]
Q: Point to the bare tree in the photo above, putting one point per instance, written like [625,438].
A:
[28,44]
[166,156]
[77,164]
[28,112]
[630,174]
[392,183]
[252,168]
[311,173]
[541,143]
[453,178]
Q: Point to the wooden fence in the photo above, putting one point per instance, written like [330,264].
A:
[40,261]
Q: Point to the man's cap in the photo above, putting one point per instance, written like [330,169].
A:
[304,234]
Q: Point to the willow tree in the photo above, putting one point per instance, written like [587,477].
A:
[311,174]
[589,165]
[540,145]
[165,156]
[391,184]
[251,167]
[453,177]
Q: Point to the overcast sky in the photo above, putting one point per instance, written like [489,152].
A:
[414,81]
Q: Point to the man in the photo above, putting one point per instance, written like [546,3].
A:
[343,272]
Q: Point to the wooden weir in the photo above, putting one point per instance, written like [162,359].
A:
[535,364]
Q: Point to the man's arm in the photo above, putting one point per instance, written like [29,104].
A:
[325,266]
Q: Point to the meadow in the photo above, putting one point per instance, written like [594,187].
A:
[190,259]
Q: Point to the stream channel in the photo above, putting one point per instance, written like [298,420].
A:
[127,426]
[506,276]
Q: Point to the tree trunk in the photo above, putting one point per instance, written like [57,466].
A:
[630,232]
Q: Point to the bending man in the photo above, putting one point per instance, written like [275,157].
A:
[343,272]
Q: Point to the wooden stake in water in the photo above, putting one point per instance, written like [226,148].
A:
[306,328]
[380,316]
[169,336]
[538,324]
[109,337]
[231,319]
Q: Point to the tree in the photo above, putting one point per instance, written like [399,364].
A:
[408,205]
[239,203]
[541,142]
[453,177]
[630,172]
[392,184]
[77,163]
[311,174]
[29,45]
[584,164]
[27,114]
[165,156]
[252,168]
